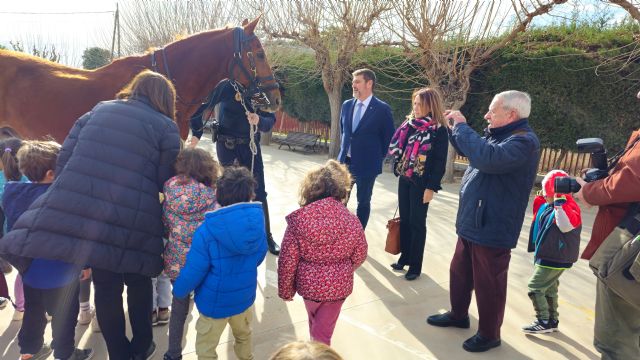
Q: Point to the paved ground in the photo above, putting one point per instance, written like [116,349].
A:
[385,316]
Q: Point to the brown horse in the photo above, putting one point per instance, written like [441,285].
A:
[39,97]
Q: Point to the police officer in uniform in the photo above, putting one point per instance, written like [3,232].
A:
[232,146]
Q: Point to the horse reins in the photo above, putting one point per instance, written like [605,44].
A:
[256,91]
[154,65]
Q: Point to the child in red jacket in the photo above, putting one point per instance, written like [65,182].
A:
[555,242]
[322,247]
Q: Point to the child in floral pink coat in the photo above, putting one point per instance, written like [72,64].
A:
[322,247]
[188,196]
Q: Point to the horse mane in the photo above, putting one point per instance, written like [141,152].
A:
[31,60]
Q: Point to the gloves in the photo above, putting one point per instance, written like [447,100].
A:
[559,200]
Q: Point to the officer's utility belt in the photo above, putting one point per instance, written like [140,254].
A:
[230,142]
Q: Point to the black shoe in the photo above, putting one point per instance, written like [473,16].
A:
[396,266]
[477,343]
[540,326]
[168,357]
[411,276]
[554,324]
[273,247]
[81,354]
[147,354]
[445,320]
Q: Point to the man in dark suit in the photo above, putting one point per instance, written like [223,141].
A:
[366,127]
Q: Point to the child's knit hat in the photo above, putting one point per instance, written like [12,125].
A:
[548,181]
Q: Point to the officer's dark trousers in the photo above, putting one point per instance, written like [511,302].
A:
[241,155]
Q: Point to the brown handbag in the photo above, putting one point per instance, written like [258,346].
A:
[392,245]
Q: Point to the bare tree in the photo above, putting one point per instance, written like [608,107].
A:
[147,24]
[48,52]
[449,39]
[334,29]
[631,6]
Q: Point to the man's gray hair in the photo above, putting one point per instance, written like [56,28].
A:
[516,100]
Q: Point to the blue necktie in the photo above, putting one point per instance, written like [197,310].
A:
[357,117]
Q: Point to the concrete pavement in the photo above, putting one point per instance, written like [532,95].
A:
[385,316]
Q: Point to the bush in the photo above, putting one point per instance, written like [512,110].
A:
[556,65]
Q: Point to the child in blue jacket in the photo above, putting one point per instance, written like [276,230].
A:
[222,265]
[50,286]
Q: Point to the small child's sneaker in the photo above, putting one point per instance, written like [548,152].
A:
[163,316]
[539,326]
[85,316]
[3,302]
[80,354]
[18,315]
[154,318]
[44,353]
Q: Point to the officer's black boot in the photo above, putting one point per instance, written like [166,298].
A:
[273,247]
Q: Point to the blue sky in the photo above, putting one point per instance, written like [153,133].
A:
[71,33]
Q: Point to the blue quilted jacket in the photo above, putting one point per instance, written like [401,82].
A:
[222,264]
[496,187]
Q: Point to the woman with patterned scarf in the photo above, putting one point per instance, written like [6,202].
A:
[419,149]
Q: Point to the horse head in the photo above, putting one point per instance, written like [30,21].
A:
[250,68]
[196,64]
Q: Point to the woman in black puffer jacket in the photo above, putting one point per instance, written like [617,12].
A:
[103,209]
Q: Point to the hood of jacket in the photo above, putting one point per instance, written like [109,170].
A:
[238,227]
[18,196]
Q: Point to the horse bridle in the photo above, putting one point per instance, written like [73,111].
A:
[256,92]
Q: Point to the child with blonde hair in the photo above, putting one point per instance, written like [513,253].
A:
[188,196]
[305,350]
[323,245]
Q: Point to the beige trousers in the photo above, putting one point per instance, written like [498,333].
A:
[209,331]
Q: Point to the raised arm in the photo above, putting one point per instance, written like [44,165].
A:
[622,186]
[490,158]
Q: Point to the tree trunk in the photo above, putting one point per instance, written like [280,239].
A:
[449,169]
[451,153]
[335,102]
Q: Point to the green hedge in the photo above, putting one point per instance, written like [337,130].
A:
[555,65]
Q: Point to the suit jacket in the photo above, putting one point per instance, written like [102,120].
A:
[370,141]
